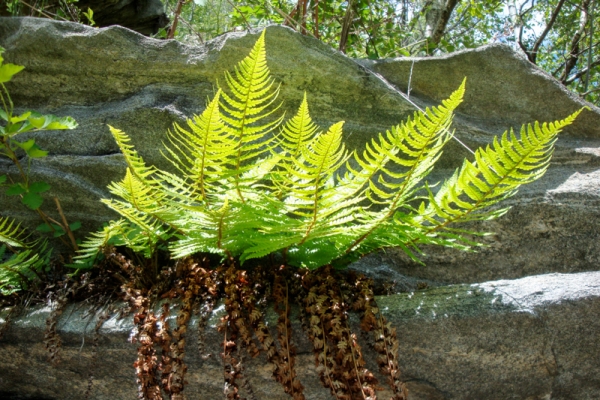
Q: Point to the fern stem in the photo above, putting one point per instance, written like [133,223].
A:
[66,225]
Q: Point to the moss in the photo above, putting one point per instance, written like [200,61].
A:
[442,302]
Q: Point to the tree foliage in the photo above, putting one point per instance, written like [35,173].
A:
[562,37]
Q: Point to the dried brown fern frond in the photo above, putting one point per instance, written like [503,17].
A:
[386,341]
[286,372]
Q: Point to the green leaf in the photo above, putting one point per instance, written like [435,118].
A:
[15,189]
[74,226]
[36,152]
[59,123]
[25,145]
[8,70]
[45,228]
[32,200]
[39,187]
[51,122]
[19,118]
[59,232]
[3,115]
[3,179]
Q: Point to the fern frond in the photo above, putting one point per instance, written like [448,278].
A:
[296,134]
[498,171]
[12,234]
[142,206]
[205,153]
[298,131]
[413,147]
[134,161]
[116,233]
[226,230]
[310,179]
[247,108]
[19,270]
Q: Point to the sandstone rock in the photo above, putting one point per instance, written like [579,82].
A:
[531,338]
[141,85]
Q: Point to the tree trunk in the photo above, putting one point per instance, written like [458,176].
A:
[573,56]
[437,15]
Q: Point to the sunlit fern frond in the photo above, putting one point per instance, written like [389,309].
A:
[227,230]
[392,165]
[143,206]
[295,135]
[312,196]
[12,234]
[298,131]
[498,171]
[18,270]
[115,233]
[248,108]
[134,161]
[204,154]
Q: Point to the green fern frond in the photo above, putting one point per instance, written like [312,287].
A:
[413,147]
[19,270]
[12,234]
[134,161]
[206,153]
[247,108]
[310,179]
[116,233]
[226,230]
[496,174]
[298,132]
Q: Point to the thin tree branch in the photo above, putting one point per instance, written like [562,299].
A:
[316,19]
[589,92]
[584,71]
[173,28]
[346,26]
[532,55]
[591,36]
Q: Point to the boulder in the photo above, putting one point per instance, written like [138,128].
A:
[524,338]
[530,338]
[142,85]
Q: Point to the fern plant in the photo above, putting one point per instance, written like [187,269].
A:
[247,185]
[21,260]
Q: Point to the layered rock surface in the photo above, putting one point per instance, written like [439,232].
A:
[482,349]
[530,338]
[141,85]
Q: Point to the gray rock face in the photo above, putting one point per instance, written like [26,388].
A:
[141,85]
[531,338]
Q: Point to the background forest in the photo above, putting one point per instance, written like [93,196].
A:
[560,36]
